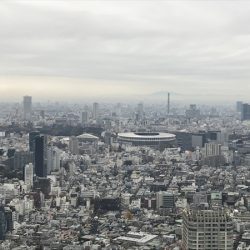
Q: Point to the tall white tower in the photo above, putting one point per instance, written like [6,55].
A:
[53,159]
[28,175]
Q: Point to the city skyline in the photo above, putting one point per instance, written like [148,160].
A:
[124,125]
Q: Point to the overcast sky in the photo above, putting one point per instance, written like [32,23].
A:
[99,49]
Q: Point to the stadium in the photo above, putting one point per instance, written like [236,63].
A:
[151,139]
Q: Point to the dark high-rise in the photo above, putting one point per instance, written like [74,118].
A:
[41,156]
[3,223]
[32,136]
[245,112]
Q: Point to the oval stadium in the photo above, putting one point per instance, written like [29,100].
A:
[151,139]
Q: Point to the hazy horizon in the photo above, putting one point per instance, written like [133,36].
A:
[125,50]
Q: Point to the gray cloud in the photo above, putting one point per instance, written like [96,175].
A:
[183,46]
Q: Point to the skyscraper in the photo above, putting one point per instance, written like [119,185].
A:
[95,110]
[85,117]
[28,175]
[3,223]
[21,158]
[207,229]
[53,159]
[41,156]
[213,156]
[27,107]
[245,112]
[32,136]
[140,110]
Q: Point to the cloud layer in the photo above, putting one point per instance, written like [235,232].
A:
[126,48]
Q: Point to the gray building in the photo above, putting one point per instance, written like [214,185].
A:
[85,117]
[198,140]
[245,112]
[207,229]
[27,107]
[165,200]
[95,110]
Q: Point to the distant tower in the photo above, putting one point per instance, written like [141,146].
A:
[95,110]
[140,110]
[41,156]
[27,107]
[168,103]
[85,117]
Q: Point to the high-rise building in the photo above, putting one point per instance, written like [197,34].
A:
[53,159]
[28,175]
[95,110]
[21,158]
[245,112]
[213,156]
[9,218]
[140,108]
[41,156]
[207,229]
[73,145]
[168,107]
[50,156]
[165,200]
[27,107]
[85,117]
[32,136]
[118,108]
[3,224]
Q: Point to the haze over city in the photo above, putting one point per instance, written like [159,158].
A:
[124,125]
[126,50]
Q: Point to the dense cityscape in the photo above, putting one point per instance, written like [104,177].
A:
[124,176]
[124,125]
